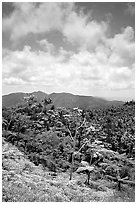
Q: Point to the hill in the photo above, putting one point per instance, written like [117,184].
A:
[22,181]
[15,98]
[66,100]
[48,142]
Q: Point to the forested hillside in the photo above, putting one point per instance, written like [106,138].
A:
[65,100]
[98,143]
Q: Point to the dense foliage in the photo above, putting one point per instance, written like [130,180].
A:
[61,139]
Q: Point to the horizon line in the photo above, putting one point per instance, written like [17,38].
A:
[106,98]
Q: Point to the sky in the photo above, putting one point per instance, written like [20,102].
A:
[81,48]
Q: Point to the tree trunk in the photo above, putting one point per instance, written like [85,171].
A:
[88,178]
[72,166]
[119,185]
[91,157]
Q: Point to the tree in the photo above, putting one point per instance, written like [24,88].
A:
[47,105]
[120,180]
[86,168]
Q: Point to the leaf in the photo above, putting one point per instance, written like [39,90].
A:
[103,165]
[128,182]
[111,177]
[81,169]
[84,163]
[87,168]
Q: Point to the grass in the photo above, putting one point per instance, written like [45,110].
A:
[22,181]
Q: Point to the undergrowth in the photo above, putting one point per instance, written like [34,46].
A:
[24,182]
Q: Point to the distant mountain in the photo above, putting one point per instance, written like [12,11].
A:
[12,99]
[84,102]
[16,98]
[66,100]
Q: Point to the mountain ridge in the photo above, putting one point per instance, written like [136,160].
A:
[62,99]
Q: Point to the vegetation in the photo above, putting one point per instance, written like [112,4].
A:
[100,143]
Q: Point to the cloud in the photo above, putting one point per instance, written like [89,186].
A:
[99,72]
[130,9]
[122,48]
[78,28]
[13,81]
[34,67]
[36,18]
[49,47]
[99,63]
[104,68]
[84,32]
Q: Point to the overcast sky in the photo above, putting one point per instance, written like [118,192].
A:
[80,48]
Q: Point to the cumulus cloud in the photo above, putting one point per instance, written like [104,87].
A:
[37,67]
[36,18]
[100,62]
[13,81]
[99,71]
[122,48]
[84,32]
[49,47]
[78,28]
[81,71]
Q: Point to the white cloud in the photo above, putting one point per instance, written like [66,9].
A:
[100,63]
[122,48]
[81,72]
[121,78]
[84,32]
[33,18]
[13,81]
[78,28]
[38,67]
[49,47]
[98,71]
